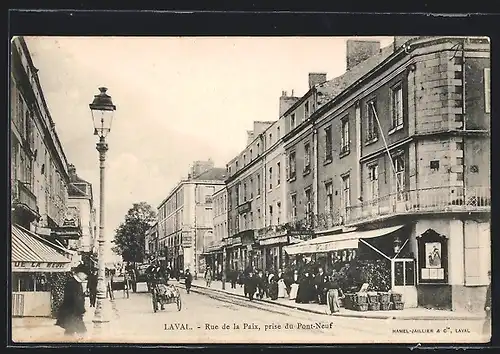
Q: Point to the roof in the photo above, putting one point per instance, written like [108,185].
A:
[29,247]
[214,174]
[329,89]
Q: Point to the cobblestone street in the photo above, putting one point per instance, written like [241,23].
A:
[218,317]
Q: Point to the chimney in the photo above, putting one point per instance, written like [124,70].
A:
[400,40]
[316,78]
[286,102]
[251,136]
[72,172]
[359,50]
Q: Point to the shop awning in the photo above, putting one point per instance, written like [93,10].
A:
[337,242]
[32,253]
[277,240]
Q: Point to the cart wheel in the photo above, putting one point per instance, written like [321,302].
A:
[179,304]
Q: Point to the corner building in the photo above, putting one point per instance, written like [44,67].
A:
[402,168]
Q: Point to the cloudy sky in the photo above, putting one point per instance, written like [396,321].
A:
[178,100]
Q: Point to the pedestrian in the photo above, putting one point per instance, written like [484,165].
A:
[487,309]
[333,293]
[281,284]
[321,280]
[208,277]
[261,284]
[92,287]
[294,286]
[234,278]
[188,279]
[273,287]
[70,315]
[250,285]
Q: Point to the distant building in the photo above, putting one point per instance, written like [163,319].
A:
[81,199]
[214,247]
[185,216]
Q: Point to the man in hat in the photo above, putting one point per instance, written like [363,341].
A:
[70,316]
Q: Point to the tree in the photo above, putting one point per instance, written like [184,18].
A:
[130,235]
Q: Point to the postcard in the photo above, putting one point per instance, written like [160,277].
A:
[218,190]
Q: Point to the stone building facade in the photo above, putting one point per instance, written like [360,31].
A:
[403,145]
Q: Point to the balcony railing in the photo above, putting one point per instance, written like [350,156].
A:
[24,196]
[440,199]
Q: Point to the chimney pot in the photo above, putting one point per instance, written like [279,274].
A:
[316,78]
[360,50]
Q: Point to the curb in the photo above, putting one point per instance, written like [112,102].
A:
[353,315]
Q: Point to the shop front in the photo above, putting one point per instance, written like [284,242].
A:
[273,256]
[379,257]
[214,259]
[35,264]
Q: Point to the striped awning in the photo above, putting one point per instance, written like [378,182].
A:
[31,252]
[337,242]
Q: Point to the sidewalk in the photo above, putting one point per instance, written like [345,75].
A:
[27,329]
[405,314]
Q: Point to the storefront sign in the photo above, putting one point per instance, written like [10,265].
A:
[433,254]
[71,218]
[273,240]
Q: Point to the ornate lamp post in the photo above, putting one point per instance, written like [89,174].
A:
[102,109]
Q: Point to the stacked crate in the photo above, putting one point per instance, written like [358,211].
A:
[373,301]
[361,302]
[385,301]
[397,300]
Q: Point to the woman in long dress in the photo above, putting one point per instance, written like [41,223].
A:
[281,285]
[294,288]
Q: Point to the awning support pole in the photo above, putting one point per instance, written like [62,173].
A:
[373,248]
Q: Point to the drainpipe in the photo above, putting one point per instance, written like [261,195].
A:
[464,128]
[195,233]
[315,170]
[358,150]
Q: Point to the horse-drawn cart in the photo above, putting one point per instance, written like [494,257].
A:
[164,294]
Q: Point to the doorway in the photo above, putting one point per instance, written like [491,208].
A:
[403,280]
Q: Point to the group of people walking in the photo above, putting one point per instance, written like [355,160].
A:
[302,287]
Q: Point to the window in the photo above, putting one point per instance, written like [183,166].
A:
[236,165]
[258,218]
[292,121]
[244,192]
[270,214]
[397,106]
[293,198]
[251,155]
[328,144]
[306,110]
[345,140]
[278,212]
[291,165]
[237,192]
[278,133]
[258,184]
[244,159]
[399,167]
[270,139]
[251,188]
[307,193]
[258,149]
[346,193]
[278,173]
[329,197]
[371,129]
[373,182]
[487,92]
[270,178]
[307,157]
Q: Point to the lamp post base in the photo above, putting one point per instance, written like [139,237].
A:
[105,312]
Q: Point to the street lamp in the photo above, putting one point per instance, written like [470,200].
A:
[102,109]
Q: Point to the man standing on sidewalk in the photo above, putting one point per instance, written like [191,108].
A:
[70,316]
[188,279]
[208,277]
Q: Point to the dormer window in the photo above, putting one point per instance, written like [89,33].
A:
[306,110]
[292,121]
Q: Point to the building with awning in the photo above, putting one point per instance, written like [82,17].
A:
[330,243]
[33,259]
